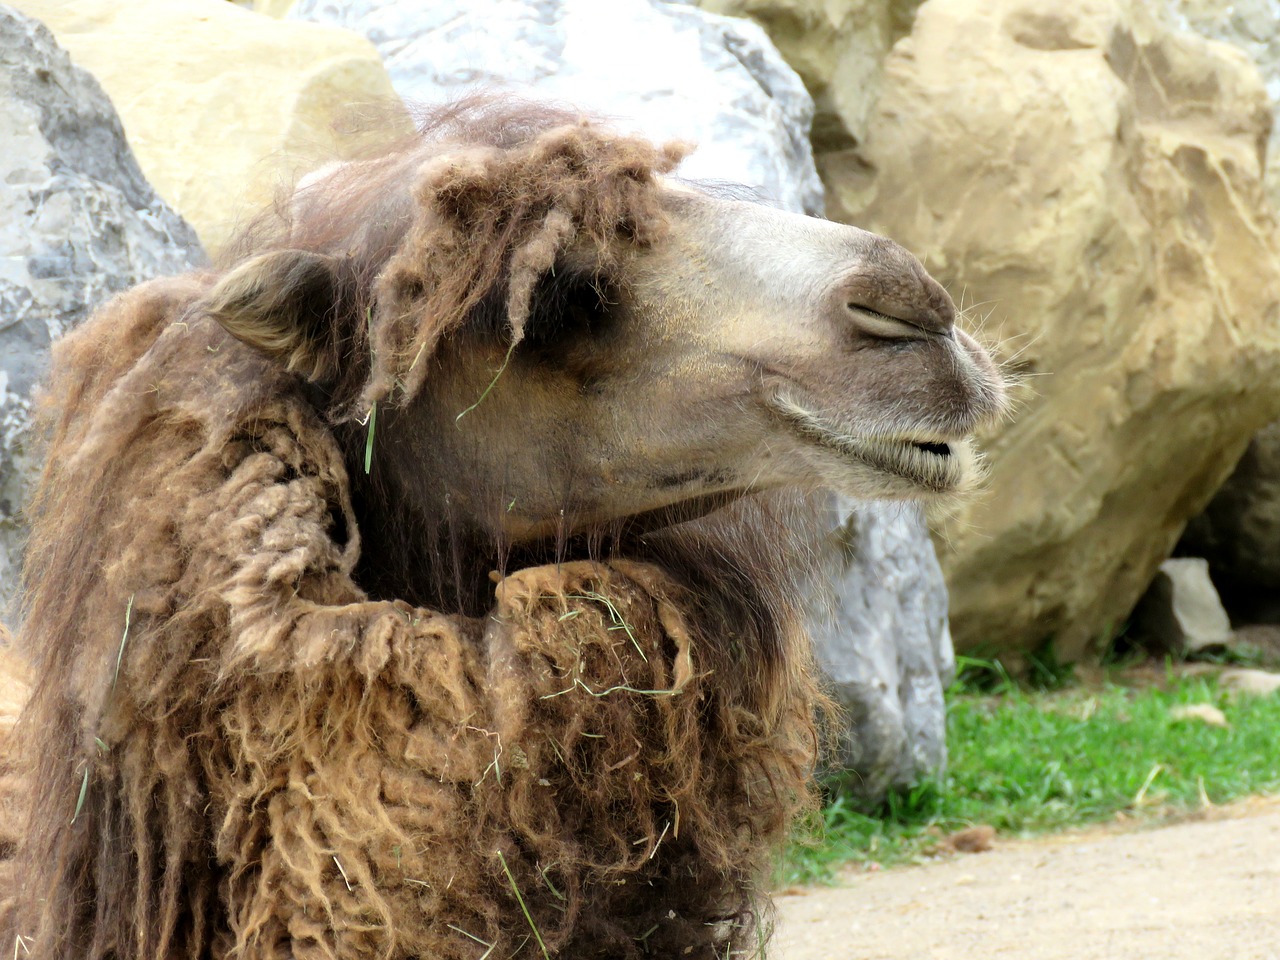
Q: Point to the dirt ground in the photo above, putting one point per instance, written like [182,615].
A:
[1207,888]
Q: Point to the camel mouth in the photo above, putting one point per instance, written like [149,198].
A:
[933,462]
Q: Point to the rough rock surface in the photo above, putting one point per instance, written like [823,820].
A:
[1254,27]
[225,104]
[686,73]
[838,48]
[886,646]
[1239,533]
[78,222]
[1093,188]
[1180,613]
[669,70]
[1240,530]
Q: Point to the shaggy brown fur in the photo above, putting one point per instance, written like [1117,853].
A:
[241,745]
[13,786]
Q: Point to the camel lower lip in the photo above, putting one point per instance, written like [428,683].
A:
[932,463]
[923,463]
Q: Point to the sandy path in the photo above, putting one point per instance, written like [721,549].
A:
[1203,890]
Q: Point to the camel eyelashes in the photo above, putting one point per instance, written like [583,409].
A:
[883,326]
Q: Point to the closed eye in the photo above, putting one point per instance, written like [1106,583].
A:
[882,325]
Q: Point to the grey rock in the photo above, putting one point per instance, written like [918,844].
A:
[1180,613]
[1239,533]
[78,222]
[886,646]
[838,47]
[687,74]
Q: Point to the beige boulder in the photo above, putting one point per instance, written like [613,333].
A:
[1088,179]
[220,104]
[838,48]
[1254,27]
[1240,531]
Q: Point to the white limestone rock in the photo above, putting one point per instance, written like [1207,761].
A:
[838,47]
[681,74]
[1180,613]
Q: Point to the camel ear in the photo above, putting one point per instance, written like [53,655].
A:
[282,303]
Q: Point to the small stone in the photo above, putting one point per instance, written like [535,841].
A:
[1180,613]
[976,839]
[1254,683]
[1204,712]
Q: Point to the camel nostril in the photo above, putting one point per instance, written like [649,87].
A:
[937,302]
[944,312]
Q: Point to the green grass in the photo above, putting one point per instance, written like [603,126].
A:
[1027,762]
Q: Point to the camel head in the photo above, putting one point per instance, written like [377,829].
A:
[557,334]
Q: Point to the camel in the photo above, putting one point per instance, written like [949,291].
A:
[426,580]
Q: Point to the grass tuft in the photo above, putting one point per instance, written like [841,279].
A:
[619,623]
[472,936]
